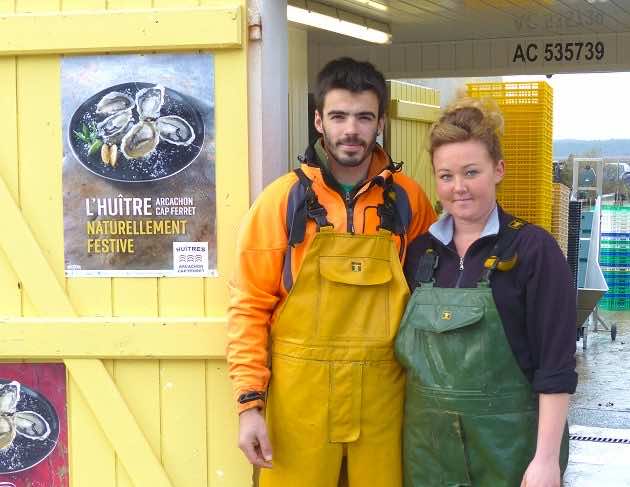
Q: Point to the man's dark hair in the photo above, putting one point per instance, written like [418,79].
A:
[348,74]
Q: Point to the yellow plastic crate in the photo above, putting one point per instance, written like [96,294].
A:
[560,215]
[513,93]
[527,108]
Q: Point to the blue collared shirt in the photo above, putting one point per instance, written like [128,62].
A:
[443,229]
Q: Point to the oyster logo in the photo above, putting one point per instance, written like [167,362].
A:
[447,315]
[190,257]
[14,422]
[356,267]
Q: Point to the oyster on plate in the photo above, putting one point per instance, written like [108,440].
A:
[9,397]
[31,425]
[114,127]
[7,431]
[114,102]
[25,423]
[149,102]
[175,130]
[140,141]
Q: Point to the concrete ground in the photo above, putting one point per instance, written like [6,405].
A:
[600,409]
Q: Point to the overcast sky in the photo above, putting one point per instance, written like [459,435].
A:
[589,106]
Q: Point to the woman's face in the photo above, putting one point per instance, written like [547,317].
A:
[466,179]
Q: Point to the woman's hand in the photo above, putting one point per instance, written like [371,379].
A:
[542,472]
[253,439]
[544,469]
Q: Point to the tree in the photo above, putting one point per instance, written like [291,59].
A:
[566,171]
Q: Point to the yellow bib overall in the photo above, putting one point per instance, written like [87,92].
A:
[336,388]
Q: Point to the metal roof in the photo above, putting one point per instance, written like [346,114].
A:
[458,20]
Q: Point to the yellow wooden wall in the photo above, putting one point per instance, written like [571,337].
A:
[412,110]
[149,403]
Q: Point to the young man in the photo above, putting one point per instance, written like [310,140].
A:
[317,297]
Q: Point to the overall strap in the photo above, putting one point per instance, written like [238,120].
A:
[309,209]
[387,210]
[497,260]
[426,267]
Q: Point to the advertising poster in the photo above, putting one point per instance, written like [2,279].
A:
[139,165]
[33,426]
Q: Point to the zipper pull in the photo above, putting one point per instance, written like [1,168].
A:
[349,212]
[461,263]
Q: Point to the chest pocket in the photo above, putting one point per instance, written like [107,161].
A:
[449,346]
[353,298]
[441,318]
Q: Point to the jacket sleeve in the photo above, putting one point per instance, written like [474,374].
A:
[255,290]
[550,316]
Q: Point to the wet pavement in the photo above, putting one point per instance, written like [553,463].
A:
[599,418]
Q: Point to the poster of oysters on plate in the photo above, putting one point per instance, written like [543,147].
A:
[33,425]
[139,165]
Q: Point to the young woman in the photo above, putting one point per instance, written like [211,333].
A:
[488,336]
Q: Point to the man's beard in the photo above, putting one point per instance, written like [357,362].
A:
[351,161]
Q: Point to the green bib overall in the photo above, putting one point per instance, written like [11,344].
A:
[471,416]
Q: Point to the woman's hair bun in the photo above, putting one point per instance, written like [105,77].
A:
[470,119]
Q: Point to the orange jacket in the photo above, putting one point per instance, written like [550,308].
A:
[267,265]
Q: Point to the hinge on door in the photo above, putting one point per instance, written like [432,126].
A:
[254,24]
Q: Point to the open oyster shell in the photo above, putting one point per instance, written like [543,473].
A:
[114,102]
[31,425]
[7,431]
[9,397]
[149,102]
[114,127]
[175,130]
[140,141]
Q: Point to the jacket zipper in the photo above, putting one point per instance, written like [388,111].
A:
[349,202]
[461,259]
[461,272]
[348,198]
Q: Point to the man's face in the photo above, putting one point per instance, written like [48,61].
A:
[349,124]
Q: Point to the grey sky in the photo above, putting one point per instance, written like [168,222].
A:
[589,106]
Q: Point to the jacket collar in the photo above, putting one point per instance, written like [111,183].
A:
[442,230]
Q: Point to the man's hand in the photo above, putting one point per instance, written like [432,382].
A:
[253,439]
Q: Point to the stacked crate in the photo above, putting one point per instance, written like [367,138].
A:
[586,234]
[614,256]
[560,215]
[573,245]
[527,107]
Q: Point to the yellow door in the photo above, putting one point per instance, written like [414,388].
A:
[149,403]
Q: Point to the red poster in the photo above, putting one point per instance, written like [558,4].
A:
[33,426]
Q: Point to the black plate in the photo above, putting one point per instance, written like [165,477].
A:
[166,160]
[25,453]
